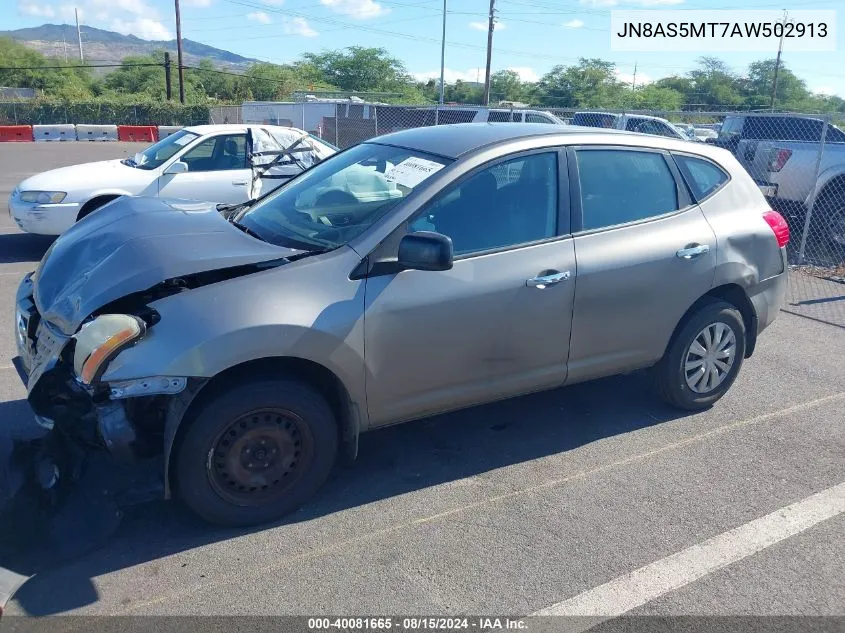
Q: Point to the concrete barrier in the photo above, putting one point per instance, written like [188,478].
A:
[57,132]
[86,132]
[137,133]
[166,130]
[15,134]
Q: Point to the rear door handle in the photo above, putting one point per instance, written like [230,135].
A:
[547,280]
[693,251]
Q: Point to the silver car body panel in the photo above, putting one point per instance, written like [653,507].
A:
[434,341]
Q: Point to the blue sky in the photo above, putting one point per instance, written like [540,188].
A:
[531,36]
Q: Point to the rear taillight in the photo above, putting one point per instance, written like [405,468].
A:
[779,158]
[779,227]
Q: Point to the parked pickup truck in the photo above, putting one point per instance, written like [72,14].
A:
[642,123]
[785,156]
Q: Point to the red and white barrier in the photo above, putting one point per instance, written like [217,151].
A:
[96,132]
[57,132]
[142,133]
[15,133]
[166,130]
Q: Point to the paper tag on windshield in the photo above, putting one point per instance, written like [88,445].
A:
[412,171]
[184,140]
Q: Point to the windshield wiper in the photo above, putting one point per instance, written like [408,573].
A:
[129,162]
[246,230]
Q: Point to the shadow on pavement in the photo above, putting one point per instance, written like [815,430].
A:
[391,462]
[23,247]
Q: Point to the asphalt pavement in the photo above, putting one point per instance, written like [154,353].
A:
[590,500]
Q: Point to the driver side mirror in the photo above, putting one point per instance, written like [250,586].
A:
[178,167]
[426,250]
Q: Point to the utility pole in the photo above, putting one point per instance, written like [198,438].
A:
[179,55]
[490,26]
[777,64]
[168,89]
[79,36]
[634,82]
[443,55]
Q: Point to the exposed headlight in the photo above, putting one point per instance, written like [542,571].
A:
[43,197]
[100,340]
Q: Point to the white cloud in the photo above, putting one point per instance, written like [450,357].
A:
[200,4]
[66,12]
[35,9]
[299,26]
[136,7]
[451,75]
[628,78]
[574,24]
[827,91]
[259,16]
[359,9]
[482,26]
[601,4]
[145,28]
[525,73]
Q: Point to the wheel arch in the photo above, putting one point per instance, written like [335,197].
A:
[96,201]
[735,295]
[831,182]
[199,391]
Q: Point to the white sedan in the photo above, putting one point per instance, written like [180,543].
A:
[215,163]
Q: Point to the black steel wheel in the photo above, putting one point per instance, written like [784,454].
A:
[256,452]
[259,456]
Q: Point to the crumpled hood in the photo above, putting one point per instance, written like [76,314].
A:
[132,244]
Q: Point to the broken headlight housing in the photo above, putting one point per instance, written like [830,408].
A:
[100,340]
[43,197]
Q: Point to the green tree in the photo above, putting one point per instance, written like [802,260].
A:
[360,69]
[139,75]
[505,85]
[758,85]
[591,83]
[653,97]
[53,77]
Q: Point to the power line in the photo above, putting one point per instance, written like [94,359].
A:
[77,66]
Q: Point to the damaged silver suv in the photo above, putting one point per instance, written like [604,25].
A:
[416,273]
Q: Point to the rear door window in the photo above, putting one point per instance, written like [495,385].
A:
[731,127]
[782,128]
[621,186]
[702,176]
[594,119]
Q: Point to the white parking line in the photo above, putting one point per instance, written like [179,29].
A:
[677,570]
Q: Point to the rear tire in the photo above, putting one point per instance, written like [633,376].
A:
[256,452]
[703,358]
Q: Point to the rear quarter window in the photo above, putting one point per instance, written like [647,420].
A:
[701,175]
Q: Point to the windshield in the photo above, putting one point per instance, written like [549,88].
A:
[339,198]
[155,155]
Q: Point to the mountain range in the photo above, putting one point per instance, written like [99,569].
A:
[59,40]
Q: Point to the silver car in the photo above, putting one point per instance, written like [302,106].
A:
[416,273]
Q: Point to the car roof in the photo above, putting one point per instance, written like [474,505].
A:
[456,139]
[231,127]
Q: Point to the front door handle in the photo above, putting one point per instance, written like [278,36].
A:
[547,280]
[693,251]
[239,182]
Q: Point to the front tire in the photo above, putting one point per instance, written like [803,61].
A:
[256,452]
[703,358]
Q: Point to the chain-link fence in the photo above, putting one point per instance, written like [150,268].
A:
[798,160]
[102,113]
[799,163]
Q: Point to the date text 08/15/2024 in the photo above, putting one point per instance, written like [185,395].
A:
[415,624]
